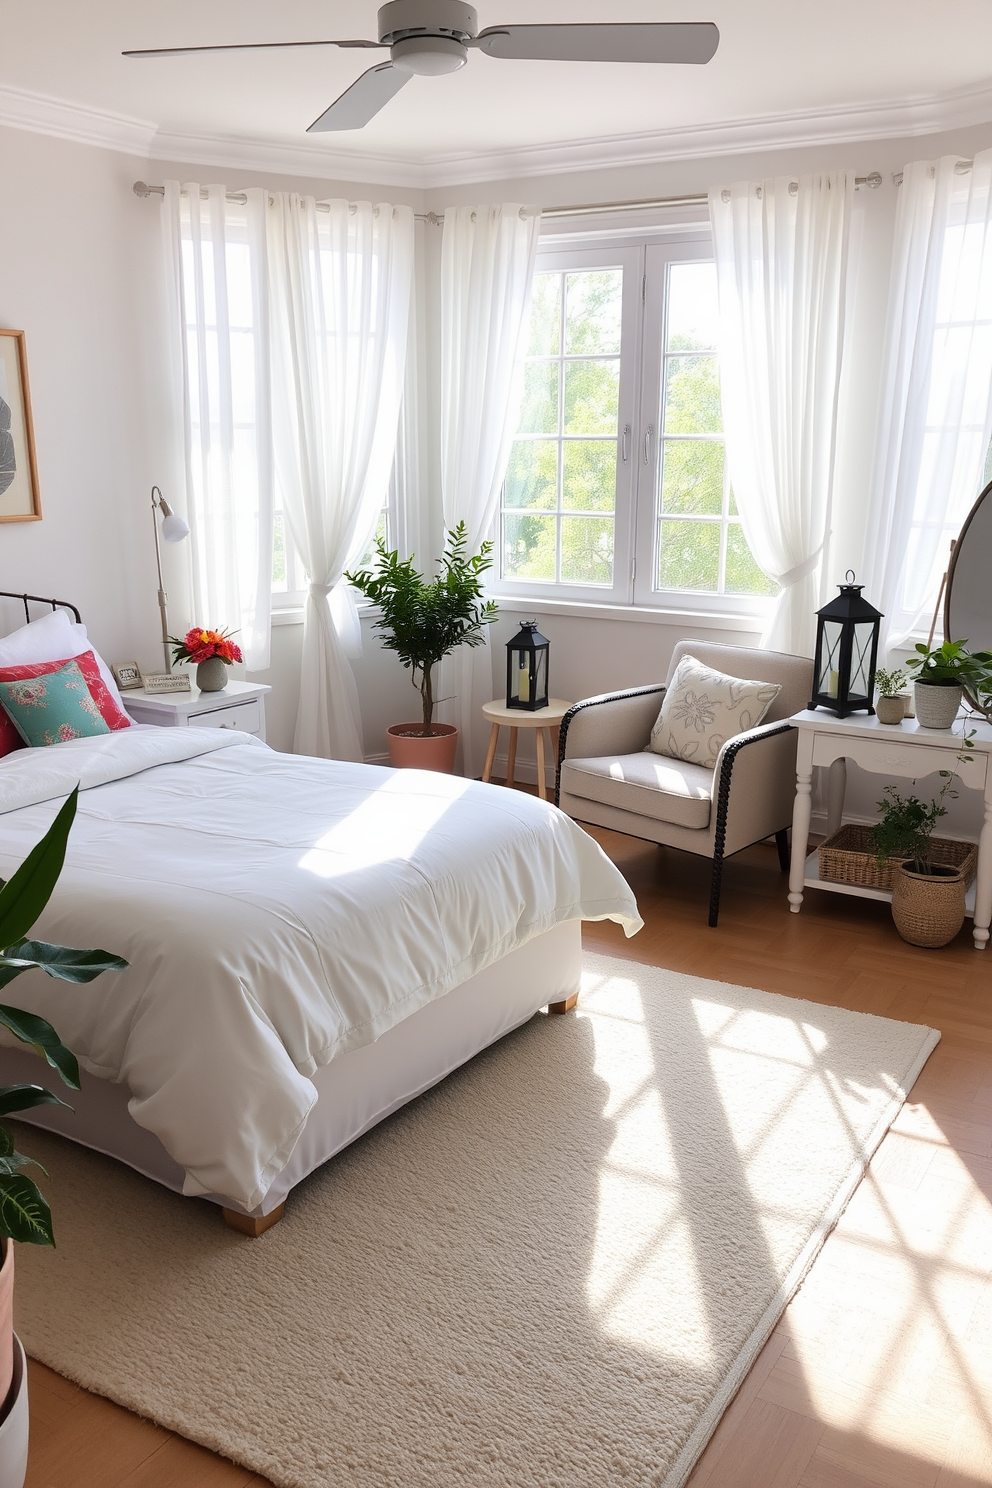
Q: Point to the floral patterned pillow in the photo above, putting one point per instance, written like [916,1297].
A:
[53,708]
[703,709]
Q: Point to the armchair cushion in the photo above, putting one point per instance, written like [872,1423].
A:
[647,784]
[703,708]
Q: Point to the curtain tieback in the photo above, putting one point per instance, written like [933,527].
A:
[801,570]
[321,591]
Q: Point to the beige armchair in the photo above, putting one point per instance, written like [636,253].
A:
[608,777]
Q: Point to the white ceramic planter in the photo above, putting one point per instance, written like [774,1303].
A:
[936,707]
[14,1427]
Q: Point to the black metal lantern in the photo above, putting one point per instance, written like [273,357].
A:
[846,650]
[527,668]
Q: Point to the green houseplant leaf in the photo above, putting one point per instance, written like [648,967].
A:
[24,1213]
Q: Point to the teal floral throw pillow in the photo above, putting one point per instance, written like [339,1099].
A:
[704,708]
[53,708]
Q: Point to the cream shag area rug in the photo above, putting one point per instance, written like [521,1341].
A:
[552,1270]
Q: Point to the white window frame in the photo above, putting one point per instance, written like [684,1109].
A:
[645,255]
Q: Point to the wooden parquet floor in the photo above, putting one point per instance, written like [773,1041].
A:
[879,1375]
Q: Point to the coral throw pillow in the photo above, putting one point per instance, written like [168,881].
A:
[53,706]
[704,708]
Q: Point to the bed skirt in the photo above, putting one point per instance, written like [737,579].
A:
[357,1089]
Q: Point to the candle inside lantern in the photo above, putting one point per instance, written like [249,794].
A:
[834,684]
[523,682]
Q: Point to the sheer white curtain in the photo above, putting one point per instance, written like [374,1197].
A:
[781,259]
[215,253]
[936,406]
[341,285]
[487,267]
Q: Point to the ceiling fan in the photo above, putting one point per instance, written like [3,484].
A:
[433,36]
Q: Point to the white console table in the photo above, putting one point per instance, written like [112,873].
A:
[905,751]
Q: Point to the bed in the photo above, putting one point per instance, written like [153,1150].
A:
[312,944]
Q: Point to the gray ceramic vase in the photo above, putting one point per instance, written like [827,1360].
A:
[211,675]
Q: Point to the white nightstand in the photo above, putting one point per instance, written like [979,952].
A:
[241,705]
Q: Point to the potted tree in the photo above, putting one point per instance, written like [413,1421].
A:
[930,875]
[942,677]
[424,620]
[24,1213]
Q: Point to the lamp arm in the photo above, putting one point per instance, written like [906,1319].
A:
[163,598]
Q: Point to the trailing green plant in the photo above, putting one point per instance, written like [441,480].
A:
[890,684]
[953,665]
[425,619]
[24,1212]
[905,832]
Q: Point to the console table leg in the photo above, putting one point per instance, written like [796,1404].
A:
[836,791]
[801,814]
[511,756]
[983,882]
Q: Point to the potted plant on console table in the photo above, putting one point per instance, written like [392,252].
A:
[24,1214]
[423,621]
[943,676]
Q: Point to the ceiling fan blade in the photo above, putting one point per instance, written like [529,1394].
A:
[363,100]
[694,41]
[243,46]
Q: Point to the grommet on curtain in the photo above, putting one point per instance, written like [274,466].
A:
[794,188]
[725,195]
[757,192]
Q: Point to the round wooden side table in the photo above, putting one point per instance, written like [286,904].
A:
[500,716]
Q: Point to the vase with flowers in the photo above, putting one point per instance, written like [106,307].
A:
[211,651]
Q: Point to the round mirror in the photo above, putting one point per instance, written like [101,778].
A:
[968,597]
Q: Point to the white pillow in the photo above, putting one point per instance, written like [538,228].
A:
[704,708]
[53,637]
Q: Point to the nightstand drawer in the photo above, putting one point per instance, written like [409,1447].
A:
[243,716]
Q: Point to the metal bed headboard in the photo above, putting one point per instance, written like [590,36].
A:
[27,600]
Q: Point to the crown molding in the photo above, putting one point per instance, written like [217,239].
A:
[308,158]
[41,114]
[922,115]
[847,123]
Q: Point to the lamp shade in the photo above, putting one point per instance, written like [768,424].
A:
[174,528]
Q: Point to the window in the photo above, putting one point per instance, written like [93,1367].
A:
[616,487]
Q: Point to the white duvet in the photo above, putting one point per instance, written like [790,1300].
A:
[276,911]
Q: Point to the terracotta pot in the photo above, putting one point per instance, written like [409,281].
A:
[211,675]
[928,908]
[936,707]
[890,709]
[410,749]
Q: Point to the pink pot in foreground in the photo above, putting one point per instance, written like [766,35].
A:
[435,752]
[6,1320]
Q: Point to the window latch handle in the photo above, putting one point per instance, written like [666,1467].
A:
[647,443]
[625,443]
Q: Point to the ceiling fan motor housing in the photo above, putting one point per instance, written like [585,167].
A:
[402,19]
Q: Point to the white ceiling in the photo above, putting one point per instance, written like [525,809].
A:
[775,57]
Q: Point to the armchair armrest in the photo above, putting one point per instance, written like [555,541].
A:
[760,765]
[612,723]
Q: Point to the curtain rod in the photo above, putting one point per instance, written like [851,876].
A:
[434,219]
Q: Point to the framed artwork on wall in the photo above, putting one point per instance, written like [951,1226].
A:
[19,497]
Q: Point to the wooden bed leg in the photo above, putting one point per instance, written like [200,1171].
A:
[554,1007]
[254,1224]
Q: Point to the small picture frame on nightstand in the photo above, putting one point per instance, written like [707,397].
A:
[127,674]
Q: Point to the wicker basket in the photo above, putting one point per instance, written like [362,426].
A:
[927,911]
[848,857]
